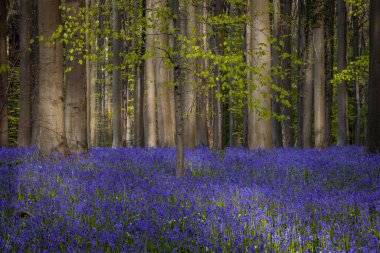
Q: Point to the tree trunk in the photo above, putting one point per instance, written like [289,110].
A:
[202,115]
[355,49]
[217,102]
[117,140]
[51,123]
[151,117]
[307,97]
[178,85]
[301,47]
[329,56]
[91,88]
[189,89]
[276,61]
[287,67]
[342,63]
[4,86]
[75,99]
[373,116]
[259,128]
[319,78]
[138,107]
[166,127]
[24,137]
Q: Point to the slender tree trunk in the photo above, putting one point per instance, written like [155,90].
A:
[319,78]
[24,137]
[189,89]
[166,127]
[178,85]
[4,86]
[287,67]
[202,115]
[355,47]
[91,87]
[51,123]
[301,47]
[373,116]
[342,63]
[138,107]
[117,140]
[75,99]
[151,117]
[276,54]
[218,40]
[329,56]
[308,97]
[259,128]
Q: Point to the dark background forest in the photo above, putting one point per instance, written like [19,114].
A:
[156,73]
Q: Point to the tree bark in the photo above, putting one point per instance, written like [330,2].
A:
[151,117]
[329,23]
[165,108]
[91,86]
[342,64]
[50,122]
[301,47]
[189,89]
[287,67]
[307,97]
[373,116]
[4,86]
[178,85]
[202,115]
[276,63]
[117,140]
[76,92]
[319,77]
[259,128]
[24,137]
[356,53]
[218,40]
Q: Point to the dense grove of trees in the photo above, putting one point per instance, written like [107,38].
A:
[257,73]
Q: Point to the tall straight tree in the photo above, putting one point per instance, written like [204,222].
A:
[287,67]
[189,89]
[329,63]
[319,76]
[91,82]
[151,113]
[342,63]
[165,94]
[373,116]
[301,46]
[24,136]
[178,86]
[259,128]
[276,60]
[117,140]
[3,75]
[50,122]
[76,92]
[202,114]
[355,54]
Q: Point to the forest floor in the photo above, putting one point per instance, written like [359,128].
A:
[235,200]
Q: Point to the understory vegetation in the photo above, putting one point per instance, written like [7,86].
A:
[236,200]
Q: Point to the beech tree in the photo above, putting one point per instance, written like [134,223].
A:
[151,115]
[373,118]
[117,140]
[259,54]
[342,64]
[3,76]
[24,137]
[76,92]
[50,125]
